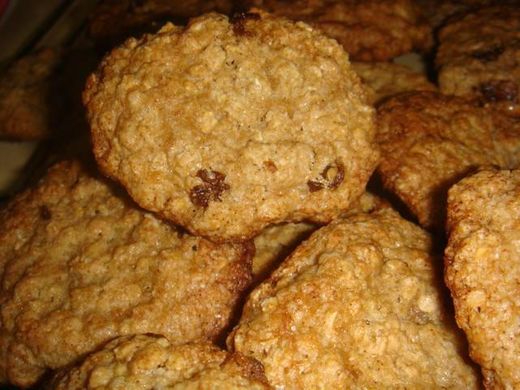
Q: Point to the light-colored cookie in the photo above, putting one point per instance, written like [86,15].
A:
[29,97]
[479,55]
[152,362]
[357,305]
[387,78]
[276,242]
[227,126]
[80,264]
[483,271]
[115,20]
[429,141]
[373,30]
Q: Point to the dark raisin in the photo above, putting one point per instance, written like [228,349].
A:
[331,177]
[315,185]
[495,91]
[488,54]
[210,190]
[45,213]
[239,19]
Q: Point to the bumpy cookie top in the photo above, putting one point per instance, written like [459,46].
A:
[479,55]
[430,140]
[357,305]
[80,265]
[152,362]
[27,97]
[226,126]
[369,30]
[387,78]
[483,270]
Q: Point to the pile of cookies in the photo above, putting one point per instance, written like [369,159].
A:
[264,210]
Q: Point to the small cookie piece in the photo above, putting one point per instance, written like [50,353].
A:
[228,126]
[152,362]
[357,305]
[385,79]
[276,242]
[112,21]
[80,265]
[27,96]
[373,30]
[429,141]
[479,55]
[482,262]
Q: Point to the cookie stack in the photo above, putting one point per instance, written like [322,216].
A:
[223,235]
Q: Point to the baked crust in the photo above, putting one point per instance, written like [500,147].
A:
[227,126]
[80,264]
[151,362]
[429,141]
[357,305]
[483,269]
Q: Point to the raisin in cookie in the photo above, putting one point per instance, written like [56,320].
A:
[227,126]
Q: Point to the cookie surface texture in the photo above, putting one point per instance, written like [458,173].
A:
[80,264]
[28,98]
[369,30]
[429,141]
[357,305]
[152,362]
[479,55]
[483,269]
[225,127]
[386,79]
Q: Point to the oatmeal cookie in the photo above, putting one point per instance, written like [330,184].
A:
[274,243]
[152,362]
[385,79]
[112,21]
[373,30]
[357,305]
[27,96]
[80,264]
[429,141]
[483,269]
[479,55]
[227,126]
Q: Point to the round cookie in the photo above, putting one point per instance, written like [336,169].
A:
[386,79]
[482,262]
[479,56]
[357,305]
[227,126]
[29,96]
[369,30]
[152,362]
[80,264]
[430,140]
[112,21]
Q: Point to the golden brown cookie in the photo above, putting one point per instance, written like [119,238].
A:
[479,55]
[152,362]
[28,98]
[483,271]
[373,30]
[357,305]
[227,126]
[274,243]
[429,141]
[80,264]
[112,21]
[387,79]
